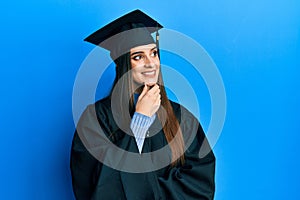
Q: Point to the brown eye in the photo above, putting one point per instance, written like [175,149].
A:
[154,54]
[136,58]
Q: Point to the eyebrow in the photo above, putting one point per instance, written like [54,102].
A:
[138,52]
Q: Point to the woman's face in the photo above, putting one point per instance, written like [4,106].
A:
[145,64]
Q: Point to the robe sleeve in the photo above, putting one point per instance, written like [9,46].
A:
[195,179]
[83,166]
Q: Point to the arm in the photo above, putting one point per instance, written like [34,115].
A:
[82,164]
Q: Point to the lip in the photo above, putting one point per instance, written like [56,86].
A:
[149,73]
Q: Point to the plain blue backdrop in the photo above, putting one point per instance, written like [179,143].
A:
[255,45]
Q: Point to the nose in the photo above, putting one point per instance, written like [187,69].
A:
[149,61]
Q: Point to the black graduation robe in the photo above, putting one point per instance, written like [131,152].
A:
[93,180]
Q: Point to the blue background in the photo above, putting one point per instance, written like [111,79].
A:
[255,45]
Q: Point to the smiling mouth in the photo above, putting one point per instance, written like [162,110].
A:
[149,73]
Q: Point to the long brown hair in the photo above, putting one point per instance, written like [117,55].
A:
[165,113]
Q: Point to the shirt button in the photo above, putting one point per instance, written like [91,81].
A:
[147,134]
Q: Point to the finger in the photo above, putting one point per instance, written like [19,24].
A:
[158,97]
[157,92]
[158,100]
[145,90]
[154,90]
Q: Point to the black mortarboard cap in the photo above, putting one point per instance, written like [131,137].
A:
[131,30]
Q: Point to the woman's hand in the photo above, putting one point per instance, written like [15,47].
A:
[149,100]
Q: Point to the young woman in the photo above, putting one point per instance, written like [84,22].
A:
[136,143]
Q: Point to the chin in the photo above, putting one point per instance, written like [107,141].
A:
[152,80]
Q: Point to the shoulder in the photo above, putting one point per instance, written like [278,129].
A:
[101,110]
[100,113]
[104,103]
[100,107]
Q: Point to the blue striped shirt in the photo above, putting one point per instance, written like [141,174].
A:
[139,125]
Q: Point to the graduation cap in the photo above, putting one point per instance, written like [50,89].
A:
[130,30]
